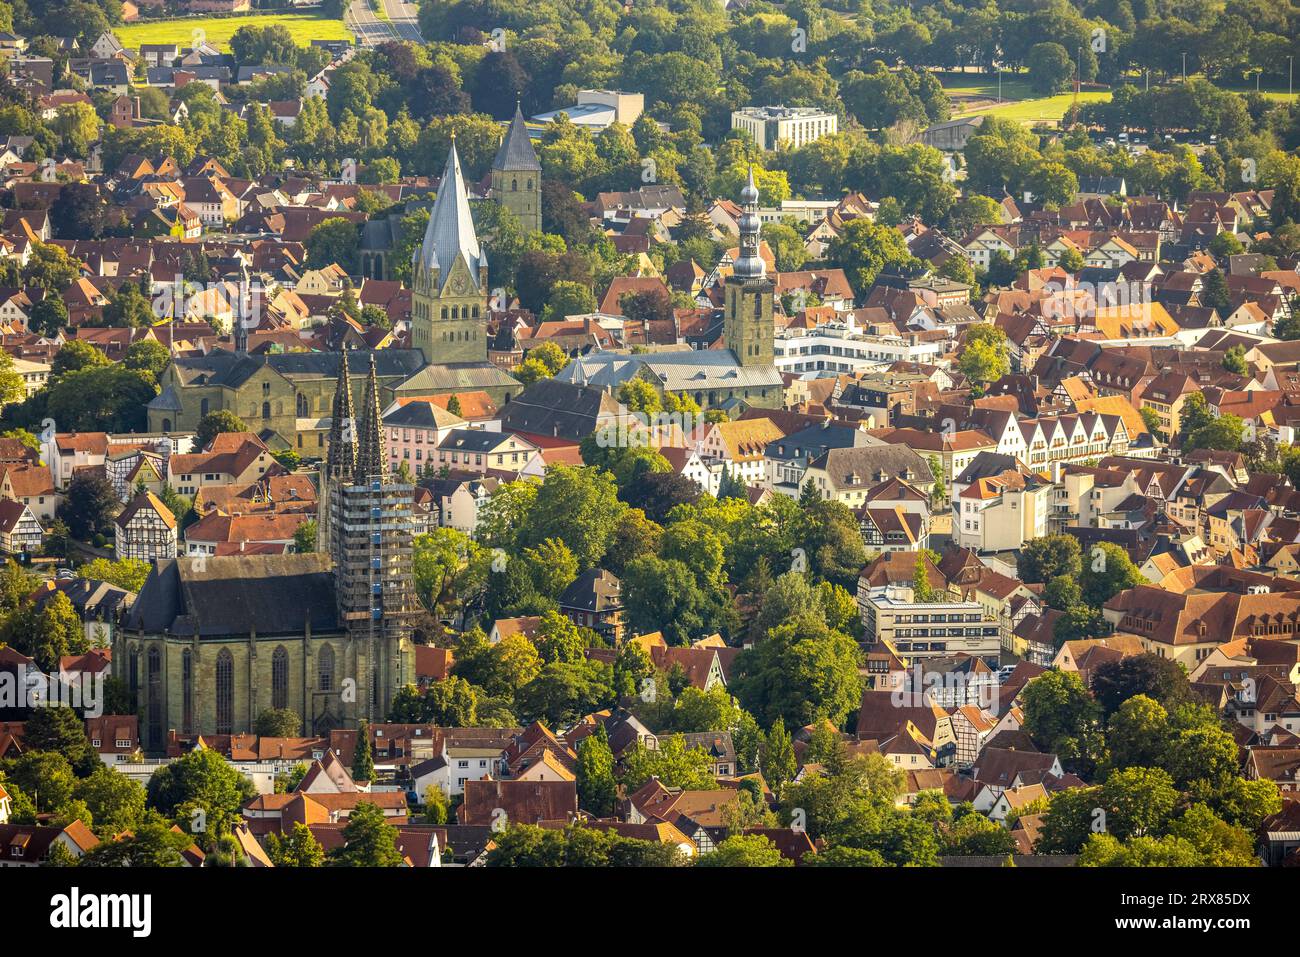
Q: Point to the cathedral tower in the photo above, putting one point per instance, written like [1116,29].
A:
[517,176]
[450,278]
[340,456]
[748,328]
[370,533]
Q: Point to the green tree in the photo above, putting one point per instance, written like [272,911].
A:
[1062,717]
[47,633]
[152,844]
[1234,360]
[368,840]
[1050,68]
[48,316]
[865,249]
[115,801]
[577,506]
[745,850]
[1043,559]
[278,723]
[148,356]
[1138,734]
[597,788]
[76,355]
[986,357]
[975,835]
[676,766]
[201,791]
[304,537]
[437,809]
[922,590]
[363,764]
[1137,801]
[801,672]
[776,756]
[1107,571]
[1162,679]
[89,506]
[59,730]
[298,848]
[128,573]
[551,566]
[215,423]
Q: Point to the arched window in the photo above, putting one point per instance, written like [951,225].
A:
[530,182]
[325,668]
[266,410]
[303,411]
[166,425]
[135,673]
[155,696]
[514,186]
[280,678]
[203,408]
[225,692]
[187,691]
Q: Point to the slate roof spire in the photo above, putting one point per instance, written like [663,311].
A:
[450,232]
[516,152]
[370,433]
[341,457]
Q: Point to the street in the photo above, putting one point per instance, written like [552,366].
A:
[371,30]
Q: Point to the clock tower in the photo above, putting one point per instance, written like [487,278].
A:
[450,278]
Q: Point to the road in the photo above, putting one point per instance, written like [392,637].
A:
[372,30]
[405,19]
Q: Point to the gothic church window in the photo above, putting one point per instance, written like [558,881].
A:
[325,668]
[280,678]
[225,692]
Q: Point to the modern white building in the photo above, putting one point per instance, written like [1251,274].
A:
[791,126]
[837,347]
[598,109]
[921,630]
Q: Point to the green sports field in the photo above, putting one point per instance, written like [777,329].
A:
[1046,109]
[305,27]
[976,93]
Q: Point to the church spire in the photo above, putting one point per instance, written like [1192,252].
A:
[516,153]
[749,264]
[370,433]
[341,458]
[450,233]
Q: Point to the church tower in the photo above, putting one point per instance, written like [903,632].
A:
[340,455]
[370,534]
[517,176]
[748,328]
[450,278]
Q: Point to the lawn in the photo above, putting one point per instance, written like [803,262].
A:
[1047,108]
[305,27]
[961,85]
[976,93]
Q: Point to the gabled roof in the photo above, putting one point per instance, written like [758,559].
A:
[145,500]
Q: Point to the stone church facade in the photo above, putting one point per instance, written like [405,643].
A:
[211,643]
